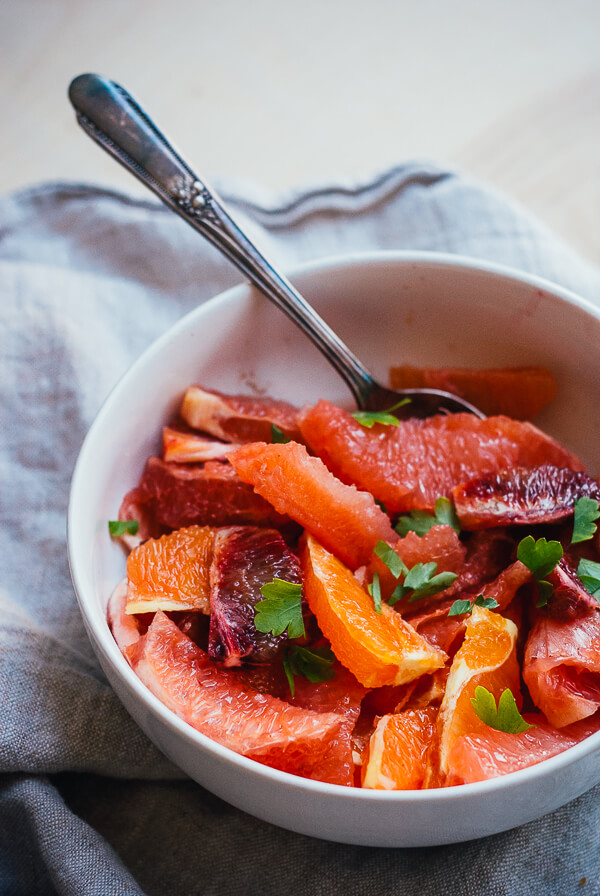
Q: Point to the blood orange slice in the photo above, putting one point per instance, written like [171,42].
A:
[487,658]
[545,494]
[396,757]
[480,757]
[518,392]
[239,418]
[347,521]
[561,667]
[171,572]
[215,703]
[378,648]
[172,496]
[410,465]
[246,558]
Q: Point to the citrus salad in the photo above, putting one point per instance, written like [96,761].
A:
[363,600]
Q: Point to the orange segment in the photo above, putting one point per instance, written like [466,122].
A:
[347,521]
[171,572]
[487,657]
[379,649]
[396,758]
[519,392]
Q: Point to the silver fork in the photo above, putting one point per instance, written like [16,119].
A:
[111,117]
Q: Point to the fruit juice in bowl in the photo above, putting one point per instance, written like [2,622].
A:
[379,663]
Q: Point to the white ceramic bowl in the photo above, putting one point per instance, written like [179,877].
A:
[390,308]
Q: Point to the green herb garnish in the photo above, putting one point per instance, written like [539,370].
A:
[421,581]
[117,528]
[588,572]
[278,437]
[387,418]
[540,557]
[504,717]
[587,511]
[388,555]
[315,664]
[459,607]
[281,610]
[420,521]
[374,590]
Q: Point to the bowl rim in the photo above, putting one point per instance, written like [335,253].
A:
[104,640]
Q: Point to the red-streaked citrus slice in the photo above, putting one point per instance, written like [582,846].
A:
[239,418]
[172,496]
[244,559]
[561,667]
[478,757]
[410,465]
[545,494]
[518,392]
[213,701]
[171,572]
[348,522]
[378,648]
[486,658]
[396,757]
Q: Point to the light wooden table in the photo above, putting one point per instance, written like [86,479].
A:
[288,93]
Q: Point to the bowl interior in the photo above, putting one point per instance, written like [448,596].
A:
[391,308]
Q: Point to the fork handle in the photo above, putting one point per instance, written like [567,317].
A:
[112,118]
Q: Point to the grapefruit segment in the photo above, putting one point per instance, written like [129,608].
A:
[396,757]
[171,572]
[487,658]
[239,418]
[184,447]
[519,392]
[561,667]
[123,627]
[379,649]
[348,522]
[477,758]
[214,702]
[410,465]
[440,544]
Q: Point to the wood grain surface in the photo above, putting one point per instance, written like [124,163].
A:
[287,94]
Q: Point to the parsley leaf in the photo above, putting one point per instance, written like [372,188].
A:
[315,664]
[388,555]
[117,528]
[281,609]
[420,582]
[278,437]
[588,572]
[506,717]
[540,556]
[587,511]
[420,521]
[370,418]
[459,607]
[374,590]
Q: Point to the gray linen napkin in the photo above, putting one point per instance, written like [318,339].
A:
[88,278]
